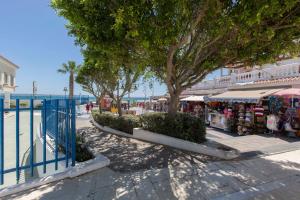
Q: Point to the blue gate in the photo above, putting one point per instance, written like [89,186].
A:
[57,122]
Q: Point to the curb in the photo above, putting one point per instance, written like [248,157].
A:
[185,145]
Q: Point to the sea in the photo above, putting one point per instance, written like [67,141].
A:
[83,98]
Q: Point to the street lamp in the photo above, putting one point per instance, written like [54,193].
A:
[65,90]
[34,88]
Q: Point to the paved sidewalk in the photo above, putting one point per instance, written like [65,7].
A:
[271,177]
[141,170]
[10,143]
[253,145]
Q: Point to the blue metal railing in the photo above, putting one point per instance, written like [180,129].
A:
[80,99]
[58,122]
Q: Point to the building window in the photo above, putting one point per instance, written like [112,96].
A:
[5,78]
[12,80]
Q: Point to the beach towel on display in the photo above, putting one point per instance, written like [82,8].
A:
[272,121]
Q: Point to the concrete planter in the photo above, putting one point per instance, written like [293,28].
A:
[183,144]
[138,133]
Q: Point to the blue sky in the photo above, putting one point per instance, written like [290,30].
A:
[35,38]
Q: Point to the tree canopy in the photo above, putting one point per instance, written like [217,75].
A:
[100,77]
[92,80]
[184,40]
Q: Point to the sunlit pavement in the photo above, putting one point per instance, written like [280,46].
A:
[10,143]
[140,170]
[254,145]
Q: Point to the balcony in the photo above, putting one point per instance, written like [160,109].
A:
[283,70]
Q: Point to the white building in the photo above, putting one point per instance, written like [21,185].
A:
[7,78]
[285,73]
[7,75]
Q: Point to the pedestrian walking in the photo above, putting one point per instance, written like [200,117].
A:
[87,108]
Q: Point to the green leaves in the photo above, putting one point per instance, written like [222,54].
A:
[182,40]
[69,67]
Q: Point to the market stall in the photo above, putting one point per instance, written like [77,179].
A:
[161,105]
[240,111]
[217,115]
[285,115]
[193,104]
[106,103]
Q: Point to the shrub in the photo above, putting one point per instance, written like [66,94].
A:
[125,123]
[182,125]
[23,104]
[39,106]
[82,152]
[12,105]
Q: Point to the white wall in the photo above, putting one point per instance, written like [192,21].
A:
[10,70]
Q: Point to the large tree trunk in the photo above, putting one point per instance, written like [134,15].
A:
[71,85]
[173,104]
[174,96]
[119,107]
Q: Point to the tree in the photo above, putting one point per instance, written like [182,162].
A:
[101,76]
[122,82]
[92,81]
[72,69]
[205,35]
[184,40]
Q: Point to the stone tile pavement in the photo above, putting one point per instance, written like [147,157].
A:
[253,145]
[141,170]
[271,177]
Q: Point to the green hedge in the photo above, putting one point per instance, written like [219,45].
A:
[183,126]
[125,123]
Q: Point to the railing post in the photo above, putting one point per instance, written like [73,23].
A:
[44,134]
[17,139]
[67,132]
[73,129]
[56,134]
[31,136]
[1,142]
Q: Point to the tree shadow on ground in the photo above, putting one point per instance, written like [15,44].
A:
[141,170]
[127,154]
[259,178]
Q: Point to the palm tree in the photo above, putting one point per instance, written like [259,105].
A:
[72,69]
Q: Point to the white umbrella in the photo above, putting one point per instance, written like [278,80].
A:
[193,98]
[162,99]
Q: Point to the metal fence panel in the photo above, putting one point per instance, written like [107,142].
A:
[58,123]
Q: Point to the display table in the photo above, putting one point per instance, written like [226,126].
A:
[217,120]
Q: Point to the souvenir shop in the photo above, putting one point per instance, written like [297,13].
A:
[284,116]
[238,117]
[106,103]
[247,112]
[193,104]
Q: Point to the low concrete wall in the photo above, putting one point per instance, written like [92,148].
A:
[183,144]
